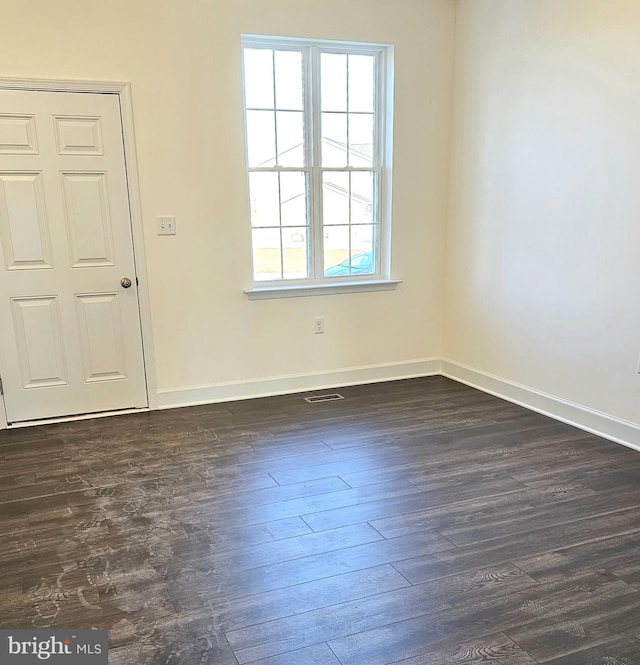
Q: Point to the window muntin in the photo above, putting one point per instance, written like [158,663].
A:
[314,116]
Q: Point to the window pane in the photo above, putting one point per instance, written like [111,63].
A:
[266,254]
[258,78]
[361,78]
[336,251]
[290,138]
[261,138]
[333,81]
[362,197]
[362,255]
[294,246]
[334,139]
[286,184]
[293,195]
[263,192]
[335,197]
[289,80]
[360,139]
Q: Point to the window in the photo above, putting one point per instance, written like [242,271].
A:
[317,132]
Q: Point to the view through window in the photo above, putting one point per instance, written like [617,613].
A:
[315,151]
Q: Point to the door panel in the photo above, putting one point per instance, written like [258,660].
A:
[70,339]
[101,337]
[38,333]
[86,199]
[78,136]
[23,225]
[17,134]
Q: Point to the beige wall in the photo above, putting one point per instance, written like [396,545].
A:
[543,243]
[183,60]
[542,281]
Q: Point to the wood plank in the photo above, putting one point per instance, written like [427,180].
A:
[535,542]
[411,637]
[616,652]
[297,547]
[560,512]
[496,648]
[580,628]
[319,654]
[565,562]
[492,509]
[437,494]
[364,615]
[302,598]
[316,566]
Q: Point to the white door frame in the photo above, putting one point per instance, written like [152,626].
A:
[123,90]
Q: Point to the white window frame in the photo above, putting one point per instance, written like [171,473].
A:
[317,283]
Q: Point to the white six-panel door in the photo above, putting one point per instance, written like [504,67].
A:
[70,339]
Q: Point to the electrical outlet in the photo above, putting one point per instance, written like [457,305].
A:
[318,325]
[166,226]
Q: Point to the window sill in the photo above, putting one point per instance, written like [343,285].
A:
[298,290]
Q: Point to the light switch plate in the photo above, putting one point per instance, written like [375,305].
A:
[166,226]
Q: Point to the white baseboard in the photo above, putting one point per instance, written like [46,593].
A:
[295,383]
[582,417]
[590,420]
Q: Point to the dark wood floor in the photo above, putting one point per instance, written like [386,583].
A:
[416,522]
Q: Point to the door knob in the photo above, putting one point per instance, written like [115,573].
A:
[125,282]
